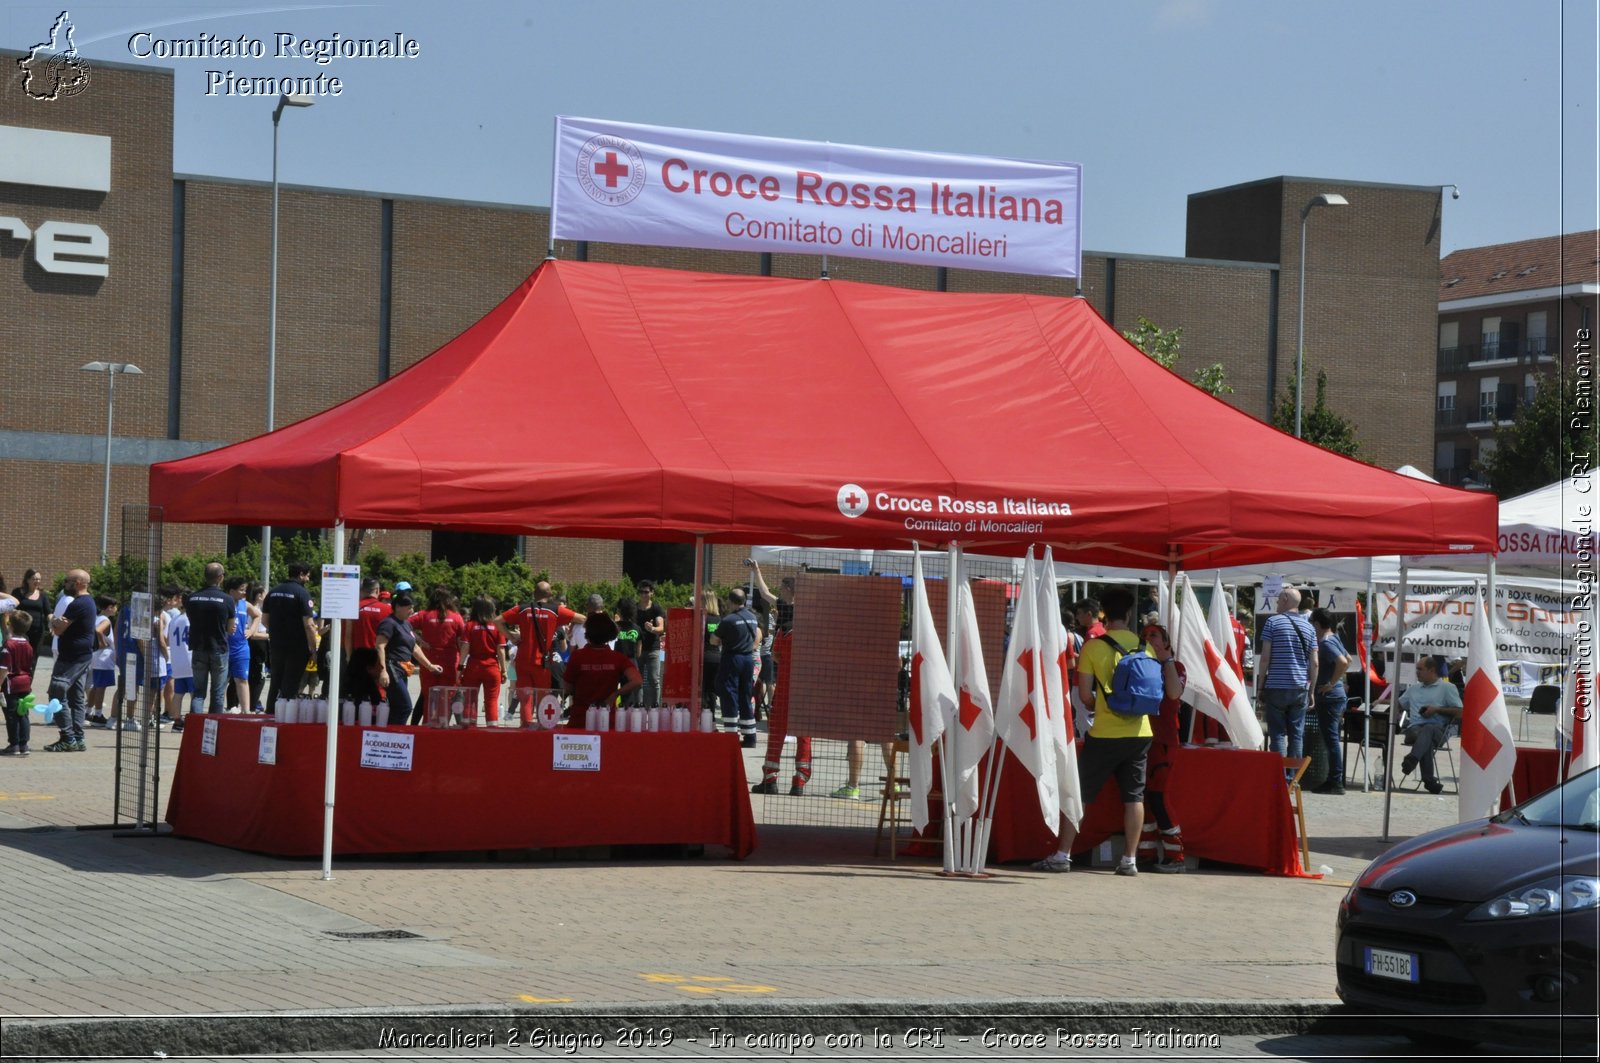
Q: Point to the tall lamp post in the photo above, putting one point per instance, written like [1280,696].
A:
[110,369]
[288,99]
[1326,199]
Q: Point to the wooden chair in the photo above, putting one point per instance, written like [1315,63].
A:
[894,806]
[1294,768]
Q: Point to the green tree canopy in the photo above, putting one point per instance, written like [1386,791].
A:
[1318,423]
[1542,444]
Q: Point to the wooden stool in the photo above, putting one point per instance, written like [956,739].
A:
[1297,801]
[893,807]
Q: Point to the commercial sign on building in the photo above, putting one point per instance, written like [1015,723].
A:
[45,158]
[622,183]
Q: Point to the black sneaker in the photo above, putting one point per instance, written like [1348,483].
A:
[768,787]
[1408,765]
[1330,790]
[1434,787]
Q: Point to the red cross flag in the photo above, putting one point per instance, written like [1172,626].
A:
[973,729]
[1221,625]
[1020,717]
[1053,658]
[933,695]
[1487,752]
[1213,687]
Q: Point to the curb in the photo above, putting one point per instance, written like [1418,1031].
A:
[887,1027]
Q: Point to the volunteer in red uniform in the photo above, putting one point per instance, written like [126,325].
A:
[482,649]
[1161,839]
[533,629]
[439,630]
[362,633]
[595,672]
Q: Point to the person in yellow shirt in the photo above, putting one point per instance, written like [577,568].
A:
[1117,745]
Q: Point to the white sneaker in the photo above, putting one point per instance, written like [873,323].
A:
[1056,862]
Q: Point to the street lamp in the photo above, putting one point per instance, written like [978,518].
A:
[288,99]
[110,369]
[1326,199]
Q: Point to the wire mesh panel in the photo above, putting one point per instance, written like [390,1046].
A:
[842,677]
[136,787]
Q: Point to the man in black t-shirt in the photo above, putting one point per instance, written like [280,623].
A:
[291,633]
[74,630]
[652,626]
[211,621]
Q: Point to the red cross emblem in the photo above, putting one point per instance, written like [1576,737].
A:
[1027,714]
[611,168]
[1477,741]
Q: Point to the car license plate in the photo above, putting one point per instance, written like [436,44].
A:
[1386,963]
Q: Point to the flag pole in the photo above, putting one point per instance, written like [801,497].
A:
[1366,680]
[1394,700]
[954,848]
[997,763]
[331,765]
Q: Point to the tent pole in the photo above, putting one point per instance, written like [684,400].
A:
[952,857]
[696,652]
[330,768]
[1366,696]
[1394,700]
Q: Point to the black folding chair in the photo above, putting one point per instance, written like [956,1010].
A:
[1545,701]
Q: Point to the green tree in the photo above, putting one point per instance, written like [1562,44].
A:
[1319,424]
[1163,345]
[1544,443]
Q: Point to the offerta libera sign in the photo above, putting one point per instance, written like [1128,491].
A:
[623,183]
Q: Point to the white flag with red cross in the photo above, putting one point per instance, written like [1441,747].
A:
[1213,687]
[1053,655]
[933,696]
[1020,717]
[1221,624]
[1487,751]
[972,729]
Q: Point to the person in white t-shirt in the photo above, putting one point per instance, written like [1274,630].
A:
[182,677]
[103,661]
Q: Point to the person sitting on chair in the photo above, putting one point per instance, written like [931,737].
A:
[1431,704]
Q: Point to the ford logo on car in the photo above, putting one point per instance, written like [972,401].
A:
[1402,898]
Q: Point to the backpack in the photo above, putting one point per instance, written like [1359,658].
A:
[1137,685]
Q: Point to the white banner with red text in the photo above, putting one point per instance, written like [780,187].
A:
[618,182]
[1533,629]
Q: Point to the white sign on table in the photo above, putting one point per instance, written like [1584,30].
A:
[267,752]
[208,740]
[341,592]
[621,182]
[575,753]
[387,750]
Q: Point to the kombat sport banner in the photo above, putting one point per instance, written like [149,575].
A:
[1532,628]
[637,184]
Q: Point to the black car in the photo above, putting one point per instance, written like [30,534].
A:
[1485,931]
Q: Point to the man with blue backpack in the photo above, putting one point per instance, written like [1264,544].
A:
[1126,684]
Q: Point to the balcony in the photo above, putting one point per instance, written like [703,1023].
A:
[1447,417]
[1455,359]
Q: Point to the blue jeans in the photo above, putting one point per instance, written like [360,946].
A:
[1286,718]
[399,697]
[1330,717]
[69,683]
[210,677]
[650,672]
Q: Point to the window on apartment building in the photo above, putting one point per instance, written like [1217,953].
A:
[1447,396]
[1538,322]
[1488,395]
[1530,388]
[1444,459]
[1486,448]
[1491,338]
[1449,335]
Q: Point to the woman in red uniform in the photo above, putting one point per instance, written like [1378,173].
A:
[485,656]
[1163,850]
[439,631]
[595,672]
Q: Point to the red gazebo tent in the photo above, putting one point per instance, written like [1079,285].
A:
[821,412]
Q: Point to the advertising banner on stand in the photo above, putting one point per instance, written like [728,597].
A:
[637,184]
[1533,629]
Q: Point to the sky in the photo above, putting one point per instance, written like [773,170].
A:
[1157,99]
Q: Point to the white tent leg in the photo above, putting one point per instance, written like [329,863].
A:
[330,769]
[1394,700]
[695,651]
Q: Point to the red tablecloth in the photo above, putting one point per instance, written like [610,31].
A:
[1535,771]
[485,788]
[1232,804]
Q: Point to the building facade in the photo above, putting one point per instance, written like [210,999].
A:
[1506,314]
[176,282]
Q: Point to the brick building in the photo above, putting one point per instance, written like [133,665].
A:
[371,283]
[1506,313]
